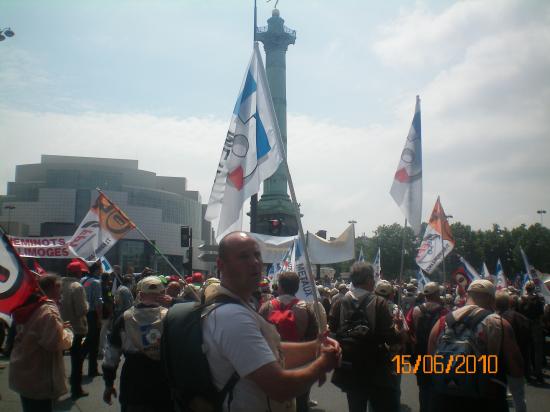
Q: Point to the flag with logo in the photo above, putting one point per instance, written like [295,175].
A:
[533,275]
[17,282]
[432,250]
[377,267]
[100,229]
[406,189]
[251,152]
[501,282]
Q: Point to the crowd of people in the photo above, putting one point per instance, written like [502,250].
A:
[264,348]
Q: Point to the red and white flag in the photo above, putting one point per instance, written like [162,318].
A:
[433,249]
[406,189]
[17,282]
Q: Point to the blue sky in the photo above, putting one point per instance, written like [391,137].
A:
[157,81]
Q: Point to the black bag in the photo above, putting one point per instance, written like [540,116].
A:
[184,362]
[355,334]
[425,324]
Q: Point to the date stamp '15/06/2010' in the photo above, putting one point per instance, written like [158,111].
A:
[440,364]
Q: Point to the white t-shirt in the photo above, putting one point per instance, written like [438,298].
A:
[233,342]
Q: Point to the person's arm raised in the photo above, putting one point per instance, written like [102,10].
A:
[282,384]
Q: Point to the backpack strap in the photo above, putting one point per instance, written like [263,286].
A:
[290,304]
[470,321]
[275,304]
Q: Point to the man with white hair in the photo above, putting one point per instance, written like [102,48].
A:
[490,335]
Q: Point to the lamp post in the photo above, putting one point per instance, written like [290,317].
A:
[541,212]
[6,32]
[9,208]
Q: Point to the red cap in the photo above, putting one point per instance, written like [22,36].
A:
[197,278]
[74,268]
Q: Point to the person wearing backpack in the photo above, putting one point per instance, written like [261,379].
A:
[363,324]
[531,305]
[424,318]
[223,356]
[293,318]
[136,334]
[474,330]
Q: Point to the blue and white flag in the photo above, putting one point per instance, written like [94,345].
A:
[406,189]
[533,274]
[251,152]
[107,268]
[377,267]
[501,282]
[485,272]
[469,269]
[361,257]
[284,265]
[422,280]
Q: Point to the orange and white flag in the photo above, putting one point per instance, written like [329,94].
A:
[100,229]
[433,248]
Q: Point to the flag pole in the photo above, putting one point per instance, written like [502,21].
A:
[443,256]
[144,236]
[316,303]
[402,262]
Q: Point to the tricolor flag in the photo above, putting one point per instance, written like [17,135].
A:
[377,267]
[406,189]
[432,250]
[251,152]
[100,229]
[17,282]
[501,282]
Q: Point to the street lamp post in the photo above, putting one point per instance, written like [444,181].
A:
[9,208]
[541,212]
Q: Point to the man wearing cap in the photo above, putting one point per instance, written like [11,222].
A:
[424,318]
[409,299]
[493,336]
[239,342]
[74,307]
[137,334]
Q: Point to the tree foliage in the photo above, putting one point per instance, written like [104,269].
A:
[476,246]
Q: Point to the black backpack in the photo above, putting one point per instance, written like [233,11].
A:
[185,364]
[459,340]
[425,324]
[355,334]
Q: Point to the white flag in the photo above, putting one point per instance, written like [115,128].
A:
[377,267]
[433,249]
[306,289]
[251,152]
[501,282]
[361,257]
[406,189]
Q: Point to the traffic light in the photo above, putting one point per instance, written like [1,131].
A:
[186,236]
[275,227]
